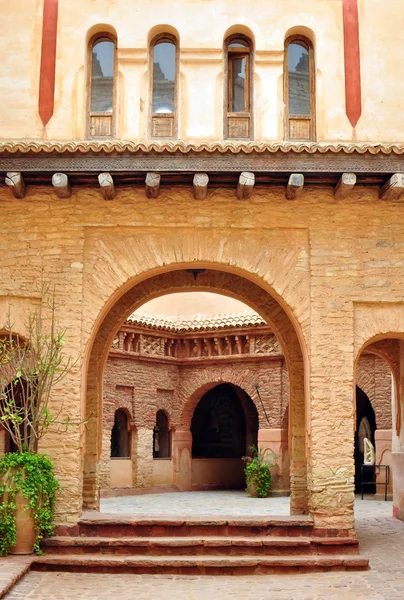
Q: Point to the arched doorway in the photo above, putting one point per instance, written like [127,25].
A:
[189,279]
[378,367]
[365,428]
[223,426]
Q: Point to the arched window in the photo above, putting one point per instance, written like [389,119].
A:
[162,436]
[164,87]
[120,436]
[299,78]
[238,91]
[102,84]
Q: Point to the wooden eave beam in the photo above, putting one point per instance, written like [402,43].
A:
[200,185]
[245,186]
[107,186]
[393,188]
[295,186]
[15,182]
[152,184]
[61,185]
[345,185]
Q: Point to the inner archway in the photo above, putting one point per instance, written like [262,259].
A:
[204,279]
[223,426]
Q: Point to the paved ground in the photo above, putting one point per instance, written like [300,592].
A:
[191,504]
[381,537]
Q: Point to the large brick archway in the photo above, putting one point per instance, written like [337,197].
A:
[183,277]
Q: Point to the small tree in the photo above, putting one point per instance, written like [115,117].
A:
[29,369]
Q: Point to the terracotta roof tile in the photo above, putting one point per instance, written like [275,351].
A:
[46,146]
[198,323]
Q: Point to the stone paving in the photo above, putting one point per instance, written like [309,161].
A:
[192,504]
[381,537]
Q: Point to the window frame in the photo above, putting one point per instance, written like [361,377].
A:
[307,44]
[97,38]
[172,39]
[230,54]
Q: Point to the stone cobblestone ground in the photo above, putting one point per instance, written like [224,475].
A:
[381,537]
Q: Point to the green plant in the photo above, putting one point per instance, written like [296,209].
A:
[258,470]
[29,369]
[32,474]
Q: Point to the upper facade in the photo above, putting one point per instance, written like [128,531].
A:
[202,70]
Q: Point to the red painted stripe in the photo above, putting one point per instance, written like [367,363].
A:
[48,61]
[353,92]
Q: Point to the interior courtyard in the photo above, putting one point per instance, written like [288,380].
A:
[205,200]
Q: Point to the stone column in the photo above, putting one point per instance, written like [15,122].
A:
[182,457]
[276,440]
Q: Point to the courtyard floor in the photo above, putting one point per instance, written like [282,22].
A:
[381,538]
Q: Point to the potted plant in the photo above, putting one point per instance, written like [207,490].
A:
[257,471]
[29,369]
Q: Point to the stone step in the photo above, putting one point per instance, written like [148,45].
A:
[209,545]
[107,525]
[198,565]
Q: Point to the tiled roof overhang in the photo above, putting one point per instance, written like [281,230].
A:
[234,147]
[272,163]
[204,323]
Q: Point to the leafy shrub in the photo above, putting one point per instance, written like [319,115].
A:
[33,475]
[258,471]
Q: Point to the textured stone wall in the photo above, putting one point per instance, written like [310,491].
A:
[336,266]
[143,387]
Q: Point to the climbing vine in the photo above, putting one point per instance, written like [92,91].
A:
[32,474]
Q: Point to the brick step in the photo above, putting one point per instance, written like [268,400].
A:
[197,565]
[104,525]
[210,545]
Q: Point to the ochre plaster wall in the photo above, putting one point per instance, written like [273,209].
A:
[202,26]
[336,266]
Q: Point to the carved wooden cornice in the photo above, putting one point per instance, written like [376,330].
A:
[130,163]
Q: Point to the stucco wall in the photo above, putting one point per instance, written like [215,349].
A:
[202,26]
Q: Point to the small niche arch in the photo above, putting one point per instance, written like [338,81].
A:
[162,436]
[120,435]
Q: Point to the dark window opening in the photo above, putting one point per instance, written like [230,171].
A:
[161,436]
[120,436]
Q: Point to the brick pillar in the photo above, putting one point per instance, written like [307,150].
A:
[182,456]
[299,495]
[143,453]
[331,421]
[276,440]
